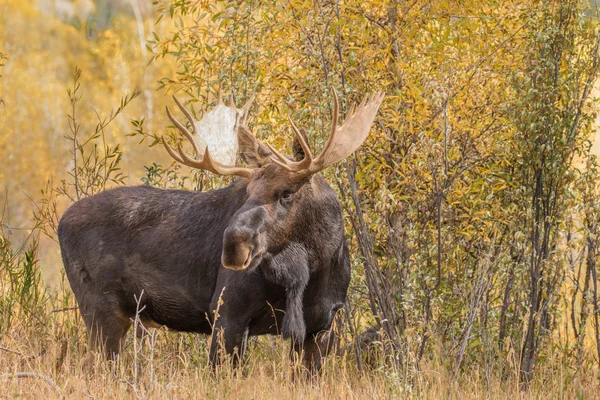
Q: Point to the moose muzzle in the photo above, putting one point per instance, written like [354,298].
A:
[244,239]
[241,261]
[237,250]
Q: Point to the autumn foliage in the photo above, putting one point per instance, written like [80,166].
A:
[471,209]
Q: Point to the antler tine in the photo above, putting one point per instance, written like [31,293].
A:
[248,104]
[334,124]
[308,157]
[171,151]
[180,126]
[245,109]
[282,164]
[190,162]
[352,110]
[224,169]
[293,166]
[216,167]
[186,113]
[183,130]
[207,163]
[280,156]
[187,160]
[354,131]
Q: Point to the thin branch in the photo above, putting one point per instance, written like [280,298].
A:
[65,309]
[45,378]
[6,349]
[588,87]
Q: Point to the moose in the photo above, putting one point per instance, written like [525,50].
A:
[264,255]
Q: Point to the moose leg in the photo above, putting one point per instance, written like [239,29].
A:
[294,279]
[315,348]
[229,338]
[105,331]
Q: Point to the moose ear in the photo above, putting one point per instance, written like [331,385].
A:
[297,147]
[251,150]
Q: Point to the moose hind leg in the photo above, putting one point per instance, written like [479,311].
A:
[106,331]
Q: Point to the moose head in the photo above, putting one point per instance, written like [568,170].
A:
[278,186]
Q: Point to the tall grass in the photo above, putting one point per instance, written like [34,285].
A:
[44,354]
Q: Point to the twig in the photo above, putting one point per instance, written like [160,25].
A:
[24,359]
[136,326]
[66,309]
[10,351]
[357,352]
[588,86]
[45,378]
[10,228]
[74,126]
[64,346]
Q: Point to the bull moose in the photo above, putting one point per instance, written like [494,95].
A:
[264,255]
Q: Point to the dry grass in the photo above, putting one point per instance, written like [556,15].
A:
[44,355]
[51,350]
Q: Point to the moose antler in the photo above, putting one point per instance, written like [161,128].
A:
[206,162]
[342,141]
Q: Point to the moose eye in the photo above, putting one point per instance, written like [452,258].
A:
[286,195]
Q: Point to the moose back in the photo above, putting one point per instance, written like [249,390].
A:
[265,255]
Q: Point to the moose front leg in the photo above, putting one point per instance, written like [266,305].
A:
[294,277]
[231,322]
[293,325]
[316,348]
[229,338]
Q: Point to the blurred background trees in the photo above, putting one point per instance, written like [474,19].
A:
[472,206]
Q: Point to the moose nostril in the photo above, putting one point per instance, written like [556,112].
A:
[248,259]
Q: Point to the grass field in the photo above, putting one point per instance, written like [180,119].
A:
[44,355]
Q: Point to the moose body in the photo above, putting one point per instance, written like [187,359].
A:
[167,244]
[265,255]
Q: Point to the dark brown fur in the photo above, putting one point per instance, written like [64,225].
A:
[170,244]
